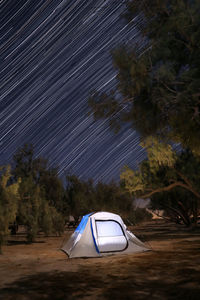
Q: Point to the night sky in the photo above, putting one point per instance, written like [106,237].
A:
[52,54]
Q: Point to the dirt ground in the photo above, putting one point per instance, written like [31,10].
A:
[41,271]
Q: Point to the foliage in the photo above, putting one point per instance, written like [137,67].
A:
[41,193]
[51,221]
[29,207]
[27,166]
[57,221]
[31,194]
[83,197]
[176,180]
[8,203]
[159,85]
[79,196]
[52,187]
[111,197]
[35,211]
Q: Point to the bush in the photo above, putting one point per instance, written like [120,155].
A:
[8,207]
[140,215]
[57,221]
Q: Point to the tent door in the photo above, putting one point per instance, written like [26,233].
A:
[110,236]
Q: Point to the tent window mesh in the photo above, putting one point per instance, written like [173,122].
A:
[108,229]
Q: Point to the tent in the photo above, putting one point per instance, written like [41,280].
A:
[100,234]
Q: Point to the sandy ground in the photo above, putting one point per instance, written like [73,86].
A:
[41,271]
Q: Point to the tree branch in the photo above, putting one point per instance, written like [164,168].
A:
[170,187]
[168,88]
[188,183]
[184,178]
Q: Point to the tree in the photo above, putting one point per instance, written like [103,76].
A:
[158,88]
[40,172]
[41,193]
[111,197]
[85,197]
[8,203]
[52,187]
[26,165]
[30,194]
[32,208]
[165,171]
[35,212]
[23,162]
[80,196]
[177,204]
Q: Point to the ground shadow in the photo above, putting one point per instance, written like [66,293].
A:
[57,285]
[16,242]
[155,275]
[164,231]
[173,273]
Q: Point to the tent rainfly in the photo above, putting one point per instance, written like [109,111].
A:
[101,234]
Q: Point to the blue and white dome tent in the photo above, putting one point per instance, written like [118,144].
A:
[101,234]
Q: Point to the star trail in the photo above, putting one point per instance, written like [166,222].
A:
[52,54]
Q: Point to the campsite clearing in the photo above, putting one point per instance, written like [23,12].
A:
[41,271]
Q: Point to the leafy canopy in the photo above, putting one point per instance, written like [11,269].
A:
[158,89]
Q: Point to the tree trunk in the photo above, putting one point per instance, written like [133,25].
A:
[195,212]
[181,214]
